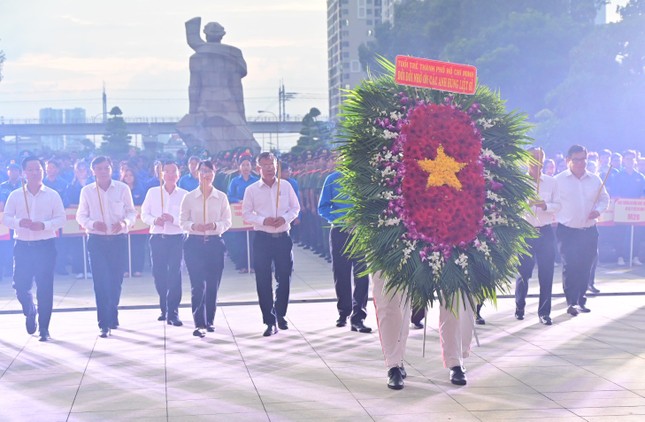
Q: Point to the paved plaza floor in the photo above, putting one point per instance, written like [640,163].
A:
[587,368]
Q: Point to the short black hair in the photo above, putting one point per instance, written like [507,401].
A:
[574,149]
[29,158]
[100,159]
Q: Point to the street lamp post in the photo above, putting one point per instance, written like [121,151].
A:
[277,127]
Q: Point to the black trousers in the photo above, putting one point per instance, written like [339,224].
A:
[108,254]
[578,248]
[541,250]
[343,268]
[273,250]
[165,254]
[204,256]
[35,261]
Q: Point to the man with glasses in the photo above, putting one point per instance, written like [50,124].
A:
[583,198]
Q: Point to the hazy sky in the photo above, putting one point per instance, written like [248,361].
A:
[59,53]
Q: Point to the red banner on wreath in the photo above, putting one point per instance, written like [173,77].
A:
[434,74]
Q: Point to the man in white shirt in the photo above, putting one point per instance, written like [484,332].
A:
[161,213]
[582,197]
[106,210]
[541,248]
[271,204]
[35,213]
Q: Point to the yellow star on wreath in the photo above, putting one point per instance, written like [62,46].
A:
[443,170]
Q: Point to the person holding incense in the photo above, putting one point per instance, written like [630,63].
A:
[106,210]
[583,198]
[271,204]
[35,213]
[205,214]
[160,210]
[540,249]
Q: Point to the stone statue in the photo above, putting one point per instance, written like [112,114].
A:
[215,118]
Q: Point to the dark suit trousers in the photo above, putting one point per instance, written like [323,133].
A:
[165,254]
[35,261]
[578,248]
[272,250]
[108,254]
[204,256]
[343,268]
[542,250]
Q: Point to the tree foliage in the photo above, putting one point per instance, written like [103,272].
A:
[314,134]
[116,140]
[600,103]
[520,47]
[2,56]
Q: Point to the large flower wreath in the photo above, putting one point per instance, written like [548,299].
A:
[437,188]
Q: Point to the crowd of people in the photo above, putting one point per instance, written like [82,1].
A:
[186,202]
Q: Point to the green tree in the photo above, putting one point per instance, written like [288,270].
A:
[314,134]
[520,47]
[600,103]
[116,140]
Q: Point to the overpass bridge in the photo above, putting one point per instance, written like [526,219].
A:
[144,127]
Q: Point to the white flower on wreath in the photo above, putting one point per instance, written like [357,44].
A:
[435,261]
[390,221]
[388,172]
[389,135]
[408,247]
[486,153]
[462,262]
[495,219]
[487,123]
[482,247]
[389,195]
[395,115]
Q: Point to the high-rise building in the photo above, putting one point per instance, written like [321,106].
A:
[608,11]
[350,23]
[52,116]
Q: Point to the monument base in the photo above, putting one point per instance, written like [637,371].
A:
[216,132]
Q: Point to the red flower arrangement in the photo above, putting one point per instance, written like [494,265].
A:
[444,216]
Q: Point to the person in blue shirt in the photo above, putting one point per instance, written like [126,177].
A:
[13,182]
[137,241]
[236,240]
[57,183]
[190,180]
[350,304]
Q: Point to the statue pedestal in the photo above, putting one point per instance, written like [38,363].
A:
[216,132]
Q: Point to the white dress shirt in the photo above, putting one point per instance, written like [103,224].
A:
[218,211]
[578,199]
[151,209]
[260,202]
[115,206]
[45,207]
[549,194]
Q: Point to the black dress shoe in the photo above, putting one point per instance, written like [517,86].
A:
[30,323]
[175,321]
[583,309]
[161,317]
[479,320]
[271,329]
[457,375]
[44,336]
[519,314]
[546,320]
[199,332]
[417,325]
[341,321]
[105,332]
[282,324]
[572,311]
[394,378]
[210,328]
[361,328]
[404,374]
[593,289]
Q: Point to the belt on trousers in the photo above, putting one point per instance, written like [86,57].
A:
[581,229]
[107,236]
[274,235]
[35,242]
[167,236]
[203,238]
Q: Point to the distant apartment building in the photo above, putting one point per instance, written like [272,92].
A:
[608,11]
[58,116]
[350,23]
